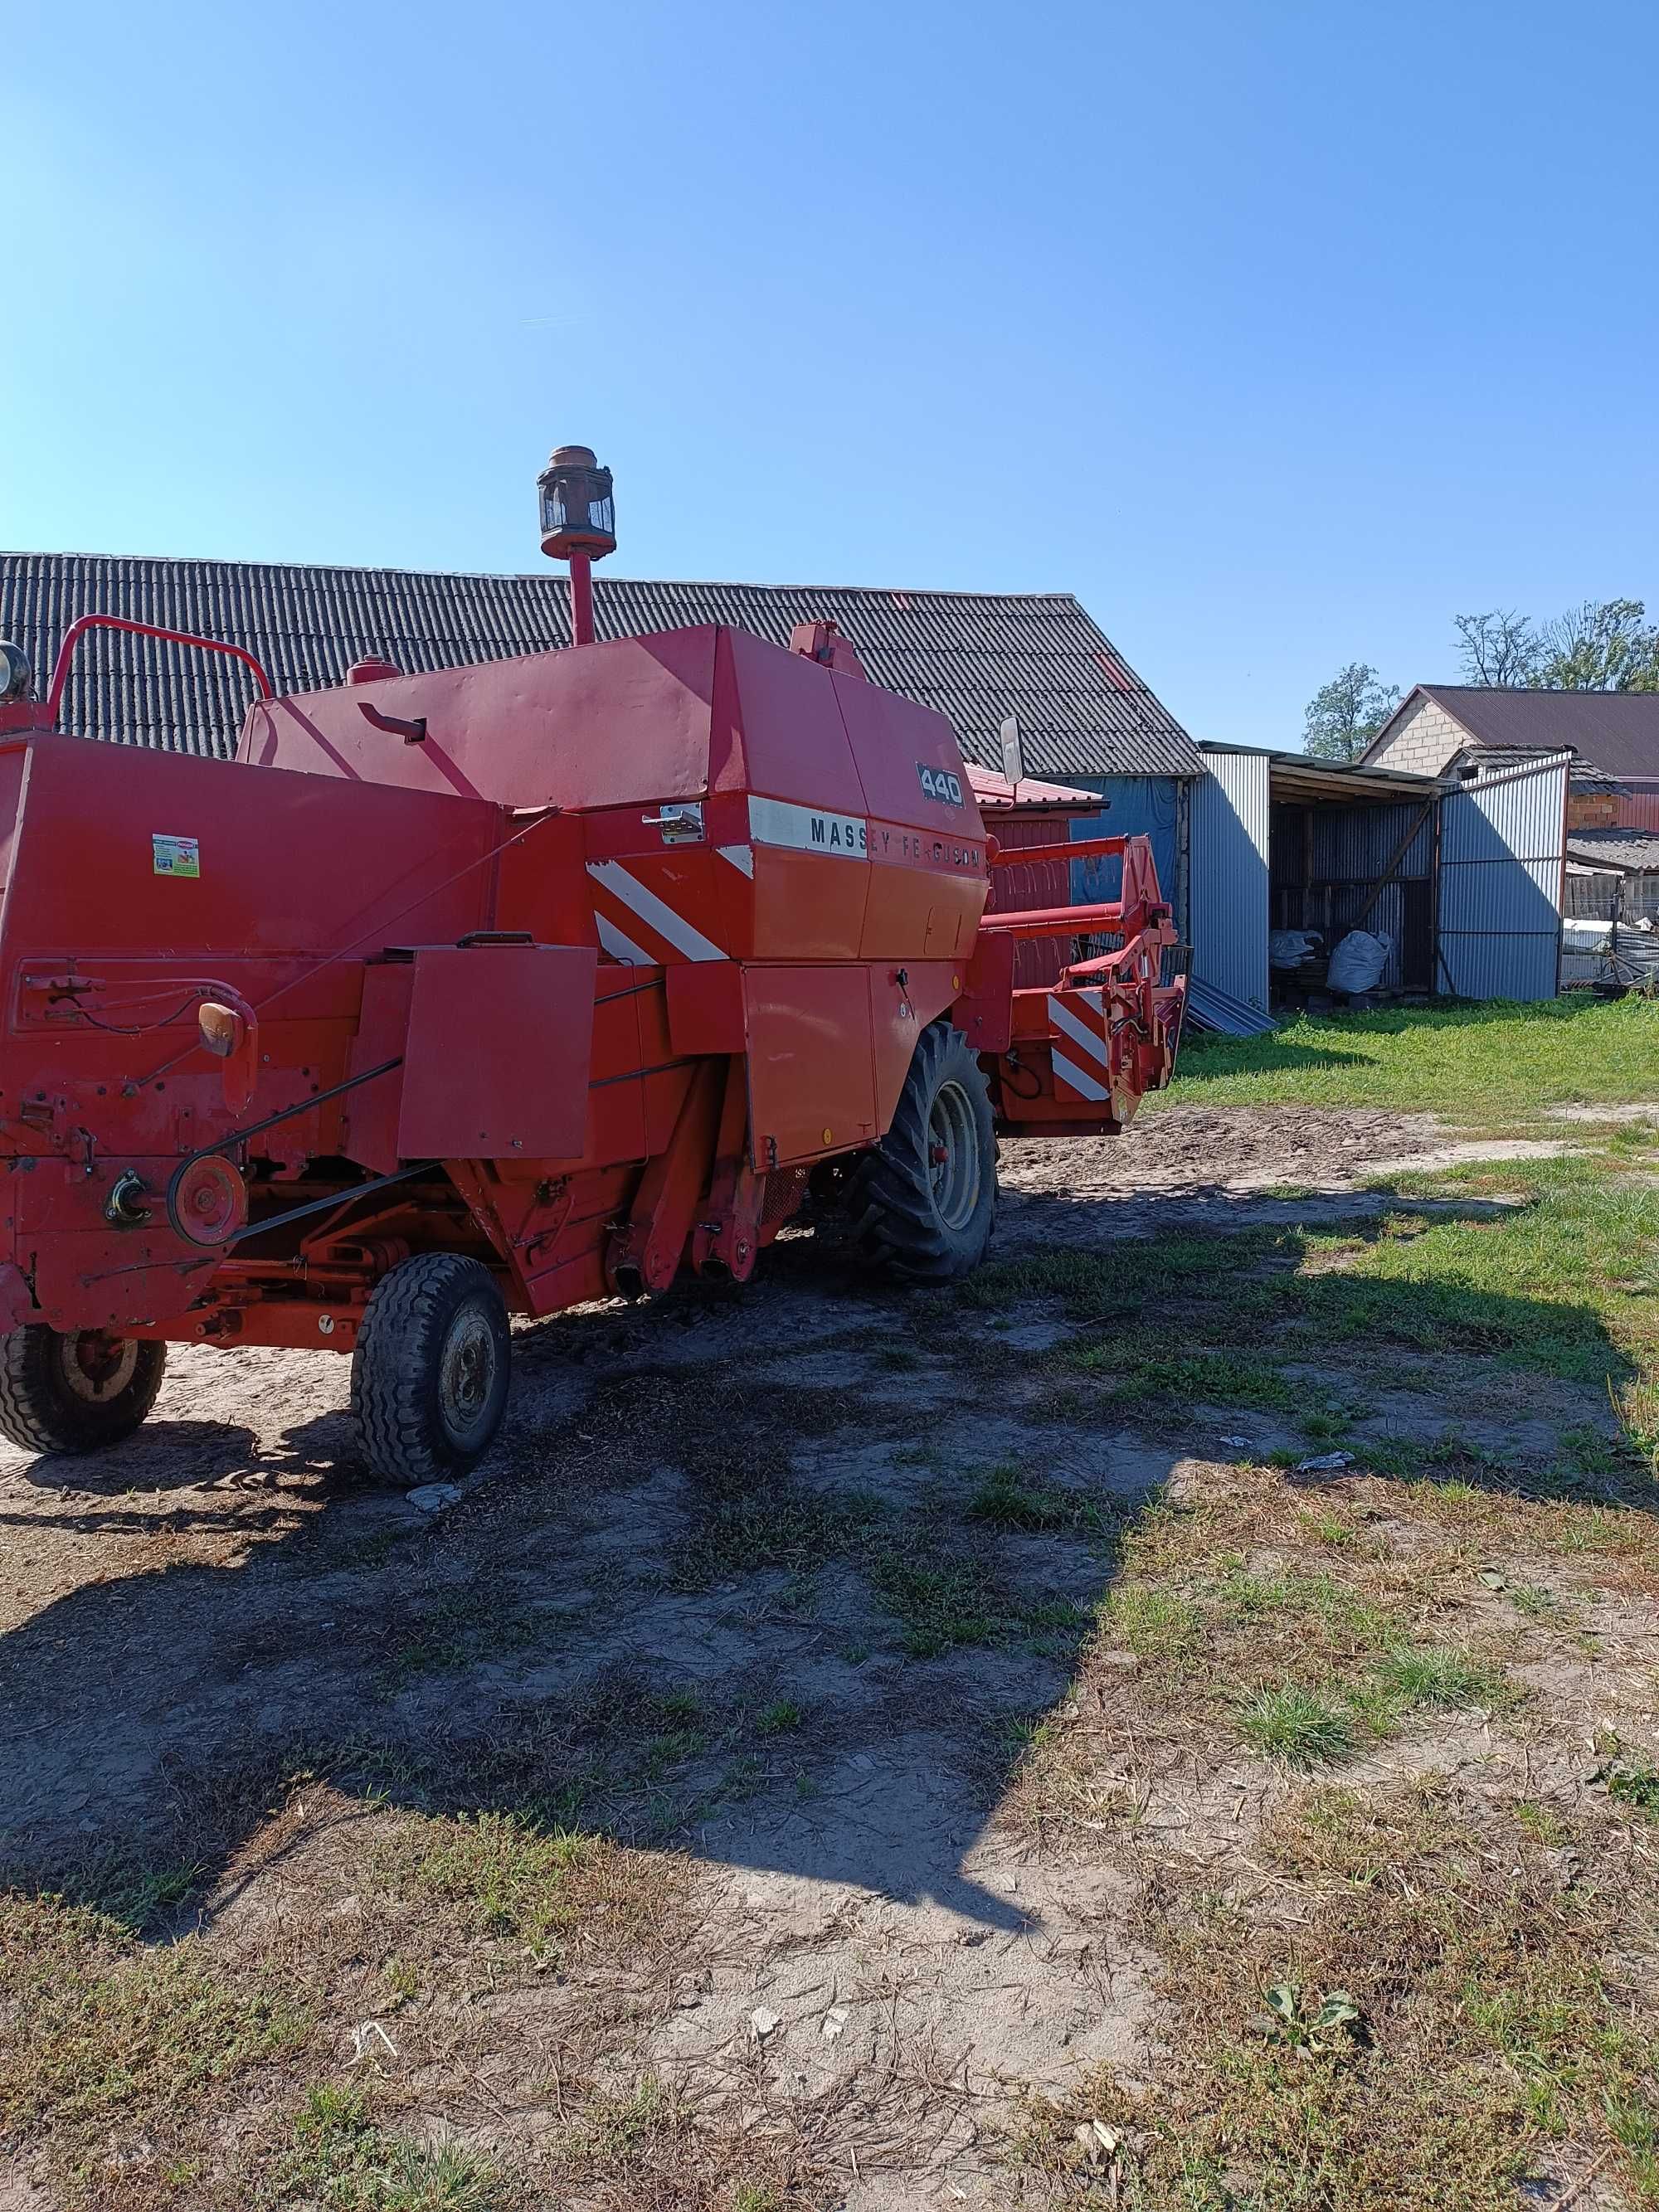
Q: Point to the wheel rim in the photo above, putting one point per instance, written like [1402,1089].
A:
[467,1375]
[953,1156]
[96,1367]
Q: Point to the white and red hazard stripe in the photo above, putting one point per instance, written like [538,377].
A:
[638,926]
[1080,1049]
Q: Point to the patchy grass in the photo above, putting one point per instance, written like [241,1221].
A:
[782,1526]
[546,1890]
[1478,2027]
[1005,1498]
[1099,1284]
[650,2148]
[941,1606]
[110,2050]
[1421,1997]
[1173,1381]
[1469,1063]
[1478,1959]
[1632,1779]
[340,2158]
[1155,1624]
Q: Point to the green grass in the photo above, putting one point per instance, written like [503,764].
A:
[940,1607]
[1435,1676]
[1471,1063]
[781,1717]
[1155,1624]
[1007,1497]
[1634,1781]
[340,2159]
[1297,1727]
[1176,1381]
[1090,1283]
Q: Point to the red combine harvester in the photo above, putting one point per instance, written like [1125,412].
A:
[503,988]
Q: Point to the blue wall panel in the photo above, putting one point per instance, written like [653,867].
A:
[1139,806]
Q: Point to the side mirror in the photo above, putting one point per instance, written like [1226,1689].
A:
[1013,751]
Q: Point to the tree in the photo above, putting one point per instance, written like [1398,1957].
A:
[1344,715]
[1605,645]
[1499,647]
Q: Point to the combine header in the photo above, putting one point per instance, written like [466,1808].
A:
[502,988]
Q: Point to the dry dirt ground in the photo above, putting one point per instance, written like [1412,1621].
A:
[707,1808]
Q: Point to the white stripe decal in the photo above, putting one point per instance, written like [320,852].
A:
[809,829]
[668,924]
[1070,1072]
[1079,1032]
[742,857]
[618,946]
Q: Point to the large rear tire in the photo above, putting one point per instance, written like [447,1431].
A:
[924,1202]
[429,1376]
[77,1390]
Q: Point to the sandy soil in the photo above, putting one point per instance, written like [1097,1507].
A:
[190,1617]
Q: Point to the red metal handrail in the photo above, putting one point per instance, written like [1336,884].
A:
[78,629]
[1080,849]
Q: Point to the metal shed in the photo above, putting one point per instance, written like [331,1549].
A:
[1463,877]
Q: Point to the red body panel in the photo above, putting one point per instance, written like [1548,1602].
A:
[576,962]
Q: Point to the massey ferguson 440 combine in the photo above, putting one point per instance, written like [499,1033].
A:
[502,988]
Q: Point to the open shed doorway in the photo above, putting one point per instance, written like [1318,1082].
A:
[1462,878]
[1349,848]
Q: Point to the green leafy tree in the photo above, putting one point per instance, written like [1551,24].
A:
[1344,715]
[1605,645]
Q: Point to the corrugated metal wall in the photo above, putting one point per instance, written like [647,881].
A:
[1502,839]
[1324,861]
[1228,892]
[1638,808]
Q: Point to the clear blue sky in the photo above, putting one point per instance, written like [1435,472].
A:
[1277,332]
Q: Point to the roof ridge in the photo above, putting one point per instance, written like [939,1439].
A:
[549,576]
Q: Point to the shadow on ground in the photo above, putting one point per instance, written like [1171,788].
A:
[782,1581]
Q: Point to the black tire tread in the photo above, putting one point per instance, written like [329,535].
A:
[389,1371]
[36,1417]
[889,1196]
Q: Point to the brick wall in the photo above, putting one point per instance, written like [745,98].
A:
[1426,742]
[1597,810]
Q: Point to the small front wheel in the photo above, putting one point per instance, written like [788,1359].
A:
[429,1376]
[75,1390]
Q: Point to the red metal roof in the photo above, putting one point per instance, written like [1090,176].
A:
[994,791]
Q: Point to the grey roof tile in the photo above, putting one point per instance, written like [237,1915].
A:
[976,656]
[1635,851]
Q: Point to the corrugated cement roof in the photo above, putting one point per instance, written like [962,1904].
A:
[977,657]
[1614,731]
[1634,852]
